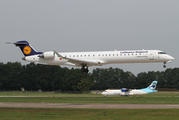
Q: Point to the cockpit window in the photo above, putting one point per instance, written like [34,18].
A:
[161,53]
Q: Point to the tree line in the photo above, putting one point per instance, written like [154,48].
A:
[32,77]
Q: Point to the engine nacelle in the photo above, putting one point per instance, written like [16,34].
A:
[47,55]
[124,90]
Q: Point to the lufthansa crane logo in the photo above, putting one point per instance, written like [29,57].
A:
[27,50]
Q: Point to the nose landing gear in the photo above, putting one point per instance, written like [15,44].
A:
[164,65]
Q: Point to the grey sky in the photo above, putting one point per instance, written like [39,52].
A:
[91,25]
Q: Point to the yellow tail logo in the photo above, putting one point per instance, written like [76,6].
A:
[27,50]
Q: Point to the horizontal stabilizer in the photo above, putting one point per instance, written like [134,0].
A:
[9,43]
[19,43]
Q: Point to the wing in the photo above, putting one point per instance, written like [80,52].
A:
[79,62]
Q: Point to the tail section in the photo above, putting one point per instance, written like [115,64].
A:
[151,88]
[153,85]
[26,48]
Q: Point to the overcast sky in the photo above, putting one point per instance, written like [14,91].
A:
[91,25]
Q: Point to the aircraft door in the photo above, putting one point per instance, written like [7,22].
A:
[151,55]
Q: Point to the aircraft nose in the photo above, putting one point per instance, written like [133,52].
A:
[171,58]
[103,93]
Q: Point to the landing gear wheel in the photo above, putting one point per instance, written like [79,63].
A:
[84,69]
[164,65]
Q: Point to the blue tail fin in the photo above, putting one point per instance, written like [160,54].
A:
[153,85]
[151,88]
[26,48]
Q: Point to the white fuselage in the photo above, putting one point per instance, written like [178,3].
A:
[119,92]
[150,89]
[105,57]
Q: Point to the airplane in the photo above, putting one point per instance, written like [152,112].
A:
[127,92]
[87,59]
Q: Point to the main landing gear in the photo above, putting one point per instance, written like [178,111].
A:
[84,69]
[164,65]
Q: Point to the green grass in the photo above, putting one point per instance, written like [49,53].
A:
[153,98]
[16,93]
[51,94]
[87,114]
